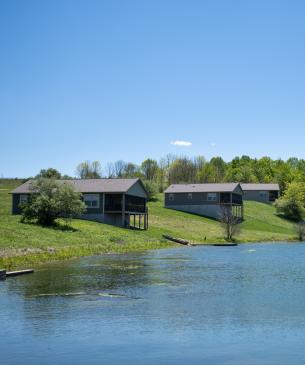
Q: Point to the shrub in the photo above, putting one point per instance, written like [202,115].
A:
[51,200]
[300,230]
[151,188]
[49,173]
[292,203]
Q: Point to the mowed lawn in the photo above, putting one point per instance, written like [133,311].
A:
[23,244]
[261,224]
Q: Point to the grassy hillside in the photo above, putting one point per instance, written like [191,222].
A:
[27,244]
[261,224]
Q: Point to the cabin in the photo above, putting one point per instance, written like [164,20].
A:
[205,199]
[264,193]
[120,202]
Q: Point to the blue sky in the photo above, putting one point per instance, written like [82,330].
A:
[109,80]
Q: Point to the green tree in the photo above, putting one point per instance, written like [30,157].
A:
[220,168]
[182,170]
[161,176]
[283,174]
[292,203]
[207,174]
[49,173]
[150,169]
[89,170]
[151,188]
[293,162]
[51,200]
[300,230]
[263,169]
[131,170]
[299,173]
[119,168]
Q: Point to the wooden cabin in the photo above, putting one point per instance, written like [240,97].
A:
[205,199]
[120,202]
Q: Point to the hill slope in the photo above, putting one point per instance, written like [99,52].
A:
[25,244]
[261,224]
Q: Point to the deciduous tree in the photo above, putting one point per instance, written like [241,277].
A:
[51,200]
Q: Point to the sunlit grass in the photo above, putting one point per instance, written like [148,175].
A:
[24,245]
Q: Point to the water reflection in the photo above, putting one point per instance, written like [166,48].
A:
[173,299]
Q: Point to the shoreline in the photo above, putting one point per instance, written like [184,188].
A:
[25,245]
[41,257]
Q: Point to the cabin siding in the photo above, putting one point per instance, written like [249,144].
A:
[89,211]
[15,204]
[196,202]
[137,190]
[264,193]
[238,190]
[256,196]
[182,199]
[205,210]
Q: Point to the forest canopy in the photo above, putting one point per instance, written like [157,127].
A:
[173,169]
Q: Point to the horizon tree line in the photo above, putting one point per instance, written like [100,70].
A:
[174,169]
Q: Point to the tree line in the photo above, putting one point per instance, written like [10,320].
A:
[174,169]
[55,200]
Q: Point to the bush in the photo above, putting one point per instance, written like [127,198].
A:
[152,189]
[292,203]
[51,200]
[300,230]
[49,173]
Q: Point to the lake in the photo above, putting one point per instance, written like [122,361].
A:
[201,305]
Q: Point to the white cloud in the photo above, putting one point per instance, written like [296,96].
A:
[181,143]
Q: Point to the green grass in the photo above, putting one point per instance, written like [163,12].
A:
[24,245]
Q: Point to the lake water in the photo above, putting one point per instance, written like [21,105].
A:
[203,305]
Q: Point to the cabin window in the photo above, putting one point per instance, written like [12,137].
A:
[23,199]
[92,200]
[171,197]
[189,196]
[212,197]
[263,194]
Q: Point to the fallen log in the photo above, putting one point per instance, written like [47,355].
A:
[19,272]
[177,240]
[225,244]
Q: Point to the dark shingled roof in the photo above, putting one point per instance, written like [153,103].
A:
[88,185]
[260,187]
[202,188]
